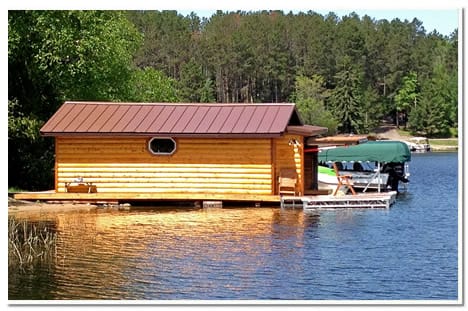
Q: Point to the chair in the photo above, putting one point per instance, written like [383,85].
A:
[287,182]
[343,180]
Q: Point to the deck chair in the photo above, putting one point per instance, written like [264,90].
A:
[287,182]
[343,180]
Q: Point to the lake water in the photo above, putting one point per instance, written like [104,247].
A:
[407,252]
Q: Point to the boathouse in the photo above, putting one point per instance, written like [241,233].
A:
[178,151]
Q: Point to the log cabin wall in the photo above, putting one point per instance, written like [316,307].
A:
[116,164]
[289,155]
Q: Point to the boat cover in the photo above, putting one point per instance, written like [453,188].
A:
[379,151]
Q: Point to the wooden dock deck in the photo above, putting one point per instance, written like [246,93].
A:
[140,196]
[361,200]
[307,202]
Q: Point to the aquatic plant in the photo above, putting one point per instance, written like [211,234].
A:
[30,243]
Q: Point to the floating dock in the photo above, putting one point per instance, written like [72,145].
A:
[361,200]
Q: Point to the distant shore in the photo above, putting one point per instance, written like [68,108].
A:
[389,131]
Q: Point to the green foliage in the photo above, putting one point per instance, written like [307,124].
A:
[167,40]
[453,132]
[407,95]
[310,99]
[256,57]
[150,85]
[437,111]
[28,153]
[194,85]
[21,126]
[346,99]
[206,93]
[428,118]
[74,54]
[55,56]
[373,110]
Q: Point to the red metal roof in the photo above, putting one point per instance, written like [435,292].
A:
[176,120]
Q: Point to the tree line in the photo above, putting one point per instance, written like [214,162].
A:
[346,73]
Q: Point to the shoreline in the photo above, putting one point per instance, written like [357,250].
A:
[390,131]
[19,208]
[444,148]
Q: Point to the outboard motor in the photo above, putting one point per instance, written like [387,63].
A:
[396,173]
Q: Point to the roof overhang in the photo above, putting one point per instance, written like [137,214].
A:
[197,120]
[172,135]
[306,130]
[339,140]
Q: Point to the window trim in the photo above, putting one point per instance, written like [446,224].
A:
[161,153]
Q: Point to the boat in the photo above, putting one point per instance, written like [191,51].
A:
[362,179]
[418,144]
[374,165]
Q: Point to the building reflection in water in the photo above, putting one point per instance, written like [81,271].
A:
[153,254]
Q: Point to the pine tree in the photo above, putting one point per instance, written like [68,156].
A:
[310,96]
[346,99]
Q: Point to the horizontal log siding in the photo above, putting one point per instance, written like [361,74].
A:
[290,156]
[234,166]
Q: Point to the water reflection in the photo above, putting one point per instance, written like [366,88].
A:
[161,253]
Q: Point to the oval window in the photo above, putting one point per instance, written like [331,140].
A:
[162,146]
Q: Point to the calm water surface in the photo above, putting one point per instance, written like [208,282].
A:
[406,252]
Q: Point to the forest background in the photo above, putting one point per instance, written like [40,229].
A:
[345,73]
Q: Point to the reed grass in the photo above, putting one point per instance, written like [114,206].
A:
[30,243]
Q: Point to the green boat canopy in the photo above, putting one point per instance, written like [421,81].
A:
[378,151]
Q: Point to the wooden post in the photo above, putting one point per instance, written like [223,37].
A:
[56,166]
[301,153]
[273,165]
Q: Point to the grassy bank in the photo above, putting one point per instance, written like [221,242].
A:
[443,145]
[444,142]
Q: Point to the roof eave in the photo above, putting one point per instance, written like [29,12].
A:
[173,135]
[306,130]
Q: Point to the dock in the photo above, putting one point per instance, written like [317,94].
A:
[361,200]
[117,198]
[306,202]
